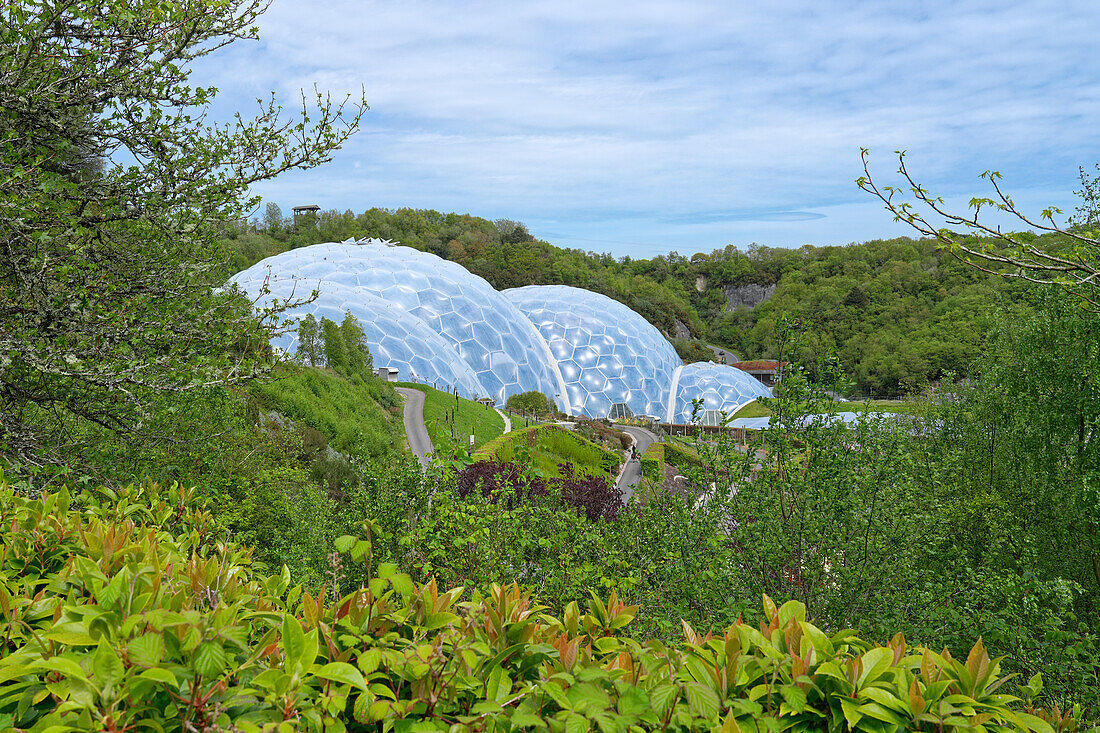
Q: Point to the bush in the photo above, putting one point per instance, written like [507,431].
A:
[533,403]
[653,461]
[137,612]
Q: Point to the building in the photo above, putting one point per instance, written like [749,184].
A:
[767,372]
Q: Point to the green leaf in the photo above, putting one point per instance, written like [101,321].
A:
[159,674]
[342,672]
[851,712]
[794,697]
[369,661]
[293,641]
[875,663]
[147,650]
[106,666]
[1035,723]
[575,724]
[498,685]
[344,543]
[633,701]
[210,659]
[703,700]
[663,697]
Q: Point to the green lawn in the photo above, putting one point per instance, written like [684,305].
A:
[468,418]
[903,406]
[755,409]
[553,445]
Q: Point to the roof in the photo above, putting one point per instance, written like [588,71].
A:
[759,365]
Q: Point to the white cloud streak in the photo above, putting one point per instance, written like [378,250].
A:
[608,120]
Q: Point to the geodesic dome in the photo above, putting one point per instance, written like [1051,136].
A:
[406,294]
[721,387]
[606,353]
[395,338]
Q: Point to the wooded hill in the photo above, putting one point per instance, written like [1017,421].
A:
[898,313]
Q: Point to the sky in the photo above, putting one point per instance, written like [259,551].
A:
[640,128]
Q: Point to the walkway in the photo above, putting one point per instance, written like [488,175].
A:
[632,474]
[507,420]
[419,442]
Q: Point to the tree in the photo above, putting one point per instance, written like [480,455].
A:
[108,279]
[273,221]
[1071,259]
[336,356]
[356,350]
[309,341]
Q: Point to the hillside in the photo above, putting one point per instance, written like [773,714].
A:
[898,313]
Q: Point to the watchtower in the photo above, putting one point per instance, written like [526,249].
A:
[308,213]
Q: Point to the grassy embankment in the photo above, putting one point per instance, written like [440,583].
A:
[756,409]
[357,416]
[451,422]
[548,445]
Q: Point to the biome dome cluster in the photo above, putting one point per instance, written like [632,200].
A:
[439,324]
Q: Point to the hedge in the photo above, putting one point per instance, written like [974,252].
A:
[132,611]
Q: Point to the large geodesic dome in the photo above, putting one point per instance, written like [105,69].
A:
[395,337]
[722,388]
[607,354]
[490,337]
[439,324]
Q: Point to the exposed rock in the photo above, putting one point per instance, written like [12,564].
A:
[701,283]
[681,331]
[750,295]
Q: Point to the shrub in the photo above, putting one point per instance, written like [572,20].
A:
[137,613]
[653,461]
[533,402]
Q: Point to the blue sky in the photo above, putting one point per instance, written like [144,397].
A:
[647,127]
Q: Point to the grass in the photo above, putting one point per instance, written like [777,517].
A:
[755,409]
[552,445]
[901,406]
[469,418]
[358,416]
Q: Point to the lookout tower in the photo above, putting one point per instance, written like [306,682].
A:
[306,214]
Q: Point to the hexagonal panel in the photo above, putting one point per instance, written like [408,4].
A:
[441,297]
[721,387]
[606,351]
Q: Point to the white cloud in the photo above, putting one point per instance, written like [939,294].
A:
[658,112]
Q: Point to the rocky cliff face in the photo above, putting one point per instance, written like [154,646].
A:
[750,295]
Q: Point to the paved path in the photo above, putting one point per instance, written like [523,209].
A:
[507,420]
[632,474]
[419,442]
[725,355]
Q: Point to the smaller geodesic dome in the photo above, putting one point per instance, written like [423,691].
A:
[722,388]
[608,354]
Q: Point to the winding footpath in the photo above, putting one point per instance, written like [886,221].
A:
[632,473]
[419,442]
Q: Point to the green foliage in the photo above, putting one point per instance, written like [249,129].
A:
[653,462]
[310,347]
[110,281]
[451,420]
[545,447]
[357,413]
[692,350]
[135,611]
[356,351]
[336,353]
[531,403]
[681,456]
